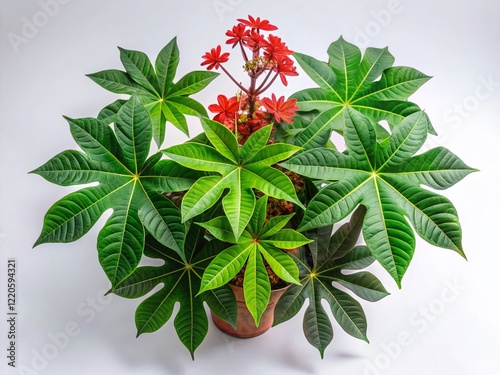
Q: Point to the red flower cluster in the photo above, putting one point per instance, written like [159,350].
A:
[266,57]
[235,112]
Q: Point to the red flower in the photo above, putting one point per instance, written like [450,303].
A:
[284,67]
[275,47]
[225,109]
[237,34]
[281,110]
[214,58]
[253,40]
[257,24]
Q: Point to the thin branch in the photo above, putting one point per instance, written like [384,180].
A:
[242,88]
[269,84]
[259,90]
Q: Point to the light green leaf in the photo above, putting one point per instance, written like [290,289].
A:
[256,287]
[225,266]
[238,173]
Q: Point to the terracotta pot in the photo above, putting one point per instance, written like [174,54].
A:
[245,327]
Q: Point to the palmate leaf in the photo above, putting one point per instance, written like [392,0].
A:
[129,184]
[180,280]
[386,178]
[260,241]
[155,87]
[238,171]
[369,84]
[321,273]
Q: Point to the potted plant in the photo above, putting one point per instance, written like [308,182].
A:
[262,199]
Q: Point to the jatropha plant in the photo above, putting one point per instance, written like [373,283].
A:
[262,198]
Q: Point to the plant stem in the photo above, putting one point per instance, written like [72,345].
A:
[259,89]
[269,84]
[241,87]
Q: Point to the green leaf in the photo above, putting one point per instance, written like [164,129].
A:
[280,262]
[237,173]
[259,241]
[99,142]
[164,99]
[220,228]
[108,113]
[318,131]
[225,266]
[286,239]
[173,115]
[133,132]
[115,81]
[162,219]
[139,67]
[157,119]
[386,178]
[166,65]
[320,275]
[191,83]
[222,139]
[366,83]
[120,243]
[256,287]
[69,167]
[129,183]
[364,284]
[317,70]
[317,327]
[74,215]
[347,311]
[180,282]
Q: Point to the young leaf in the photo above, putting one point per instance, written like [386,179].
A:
[259,241]
[237,172]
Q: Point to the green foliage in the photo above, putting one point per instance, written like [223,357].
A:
[238,170]
[386,178]
[155,87]
[349,80]
[180,280]
[333,255]
[194,206]
[129,182]
[260,241]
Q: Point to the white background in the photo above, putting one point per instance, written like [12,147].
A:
[443,320]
